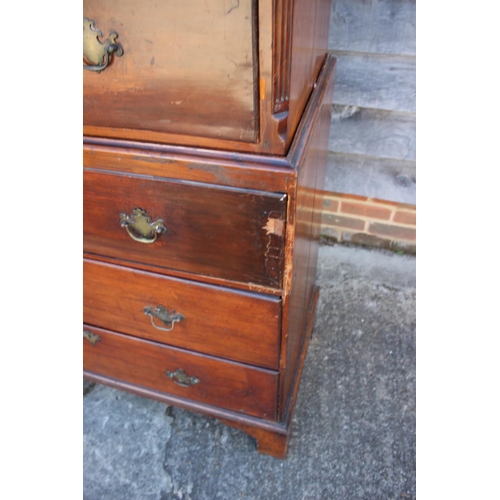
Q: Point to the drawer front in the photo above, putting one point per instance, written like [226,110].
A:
[188,67]
[231,234]
[213,320]
[233,386]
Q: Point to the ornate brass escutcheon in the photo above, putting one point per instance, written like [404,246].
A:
[91,337]
[167,318]
[96,54]
[180,377]
[140,228]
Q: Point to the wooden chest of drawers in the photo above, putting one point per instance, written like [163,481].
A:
[206,128]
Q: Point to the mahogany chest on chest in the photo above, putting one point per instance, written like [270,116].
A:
[206,128]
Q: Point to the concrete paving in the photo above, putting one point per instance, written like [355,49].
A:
[354,424]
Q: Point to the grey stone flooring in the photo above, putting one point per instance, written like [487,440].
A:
[354,423]
[382,26]
[383,134]
[376,81]
[363,175]
[373,134]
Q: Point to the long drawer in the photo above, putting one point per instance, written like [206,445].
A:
[214,320]
[213,381]
[227,233]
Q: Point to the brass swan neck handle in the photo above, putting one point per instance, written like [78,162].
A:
[97,55]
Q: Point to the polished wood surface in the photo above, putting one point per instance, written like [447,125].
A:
[221,74]
[188,68]
[309,44]
[174,273]
[218,321]
[234,386]
[309,153]
[241,235]
[224,168]
[226,233]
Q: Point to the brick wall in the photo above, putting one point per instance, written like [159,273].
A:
[368,221]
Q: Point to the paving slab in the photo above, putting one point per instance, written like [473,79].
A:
[382,26]
[371,132]
[382,178]
[375,81]
[353,434]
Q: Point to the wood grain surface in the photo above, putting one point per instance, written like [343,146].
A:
[187,68]
[234,386]
[222,74]
[218,321]
[227,233]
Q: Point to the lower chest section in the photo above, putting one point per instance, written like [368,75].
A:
[183,289]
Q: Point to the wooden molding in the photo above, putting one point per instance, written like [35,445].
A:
[282,54]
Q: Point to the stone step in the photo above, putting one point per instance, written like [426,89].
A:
[384,179]
[371,132]
[373,26]
[372,139]
[375,81]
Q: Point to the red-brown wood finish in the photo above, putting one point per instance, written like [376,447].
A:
[185,64]
[235,386]
[223,74]
[223,168]
[226,233]
[307,31]
[311,162]
[231,324]
[240,199]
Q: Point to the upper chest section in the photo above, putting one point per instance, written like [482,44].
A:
[224,74]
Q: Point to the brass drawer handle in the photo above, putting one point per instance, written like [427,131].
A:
[91,337]
[167,318]
[140,228]
[180,377]
[95,52]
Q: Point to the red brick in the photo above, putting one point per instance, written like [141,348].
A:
[353,197]
[334,194]
[330,205]
[393,232]
[395,204]
[405,217]
[339,221]
[365,210]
